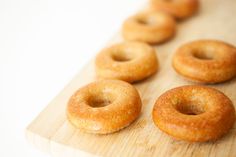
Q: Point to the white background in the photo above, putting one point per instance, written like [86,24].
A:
[43,44]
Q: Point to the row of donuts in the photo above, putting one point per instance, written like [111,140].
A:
[204,61]
[203,113]
[109,105]
[155,26]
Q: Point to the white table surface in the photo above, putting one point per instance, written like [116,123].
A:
[43,44]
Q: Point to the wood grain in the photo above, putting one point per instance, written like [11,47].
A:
[51,132]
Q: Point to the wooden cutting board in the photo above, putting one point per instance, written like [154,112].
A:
[51,132]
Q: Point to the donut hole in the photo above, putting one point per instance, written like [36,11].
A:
[100,100]
[121,57]
[190,109]
[147,21]
[143,21]
[203,55]
[170,1]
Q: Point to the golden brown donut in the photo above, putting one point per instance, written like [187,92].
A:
[104,106]
[149,27]
[178,8]
[206,61]
[194,113]
[128,61]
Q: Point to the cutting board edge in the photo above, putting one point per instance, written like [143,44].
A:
[36,140]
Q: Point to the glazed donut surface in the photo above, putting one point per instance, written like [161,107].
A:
[206,61]
[104,106]
[128,61]
[149,27]
[194,113]
[178,8]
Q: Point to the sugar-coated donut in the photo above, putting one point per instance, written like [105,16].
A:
[150,27]
[194,113]
[104,106]
[206,61]
[178,8]
[128,61]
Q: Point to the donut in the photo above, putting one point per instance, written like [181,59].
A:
[149,27]
[180,9]
[104,107]
[194,113]
[206,61]
[127,61]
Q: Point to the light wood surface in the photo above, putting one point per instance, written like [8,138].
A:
[51,132]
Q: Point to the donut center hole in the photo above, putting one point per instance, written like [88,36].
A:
[190,109]
[146,21]
[121,57]
[101,99]
[97,102]
[143,21]
[170,1]
[203,55]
